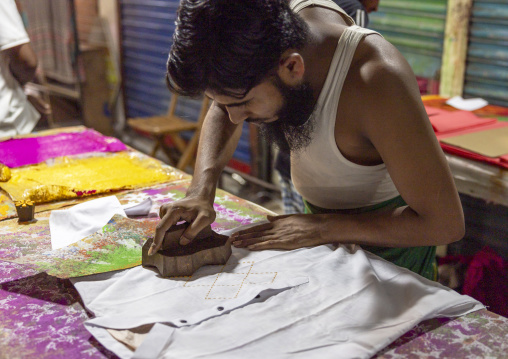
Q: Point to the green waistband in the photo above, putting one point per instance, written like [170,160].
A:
[391,203]
[421,260]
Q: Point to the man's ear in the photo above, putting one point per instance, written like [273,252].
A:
[291,68]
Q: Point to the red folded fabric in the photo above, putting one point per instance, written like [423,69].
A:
[486,280]
[499,161]
[474,156]
[448,122]
[464,131]
[432,111]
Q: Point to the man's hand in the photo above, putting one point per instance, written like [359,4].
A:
[194,210]
[38,102]
[282,232]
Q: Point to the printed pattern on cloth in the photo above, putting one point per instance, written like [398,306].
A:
[352,305]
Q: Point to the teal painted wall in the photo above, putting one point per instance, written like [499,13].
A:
[416,28]
[487,56]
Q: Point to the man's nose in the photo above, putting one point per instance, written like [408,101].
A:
[237,115]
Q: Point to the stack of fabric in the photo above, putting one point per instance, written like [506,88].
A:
[73,164]
[451,127]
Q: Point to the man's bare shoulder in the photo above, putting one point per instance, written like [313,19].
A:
[379,63]
[384,80]
[322,16]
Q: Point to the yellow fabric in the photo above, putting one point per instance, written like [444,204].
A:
[70,178]
[5,173]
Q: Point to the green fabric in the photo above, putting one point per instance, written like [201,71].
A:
[421,260]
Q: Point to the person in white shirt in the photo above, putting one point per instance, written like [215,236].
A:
[18,64]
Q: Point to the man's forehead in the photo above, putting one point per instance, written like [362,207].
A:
[227,99]
[233,94]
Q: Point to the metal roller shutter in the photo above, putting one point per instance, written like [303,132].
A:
[487,55]
[147,27]
[416,28]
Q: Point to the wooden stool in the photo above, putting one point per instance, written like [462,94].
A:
[171,125]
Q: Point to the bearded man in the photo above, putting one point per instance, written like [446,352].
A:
[292,202]
[342,100]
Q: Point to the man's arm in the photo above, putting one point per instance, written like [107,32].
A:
[218,140]
[22,62]
[398,127]
[393,119]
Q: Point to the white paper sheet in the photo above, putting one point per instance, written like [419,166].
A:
[140,209]
[70,225]
[470,104]
[353,305]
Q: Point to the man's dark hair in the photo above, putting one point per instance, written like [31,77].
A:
[230,46]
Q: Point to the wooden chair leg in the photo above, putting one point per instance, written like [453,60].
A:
[169,155]
[190,152]
[159,143]
[155,148]
[179,142]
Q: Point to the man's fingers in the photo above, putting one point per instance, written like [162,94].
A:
[162,211]
[194,228]
[275,218]
[40,105]
[162,227]
[245,242]
[249,236]
[259,228]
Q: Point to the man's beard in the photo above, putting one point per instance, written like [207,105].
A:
[292,131]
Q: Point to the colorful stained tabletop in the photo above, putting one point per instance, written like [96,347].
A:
[118,244]
[41,315]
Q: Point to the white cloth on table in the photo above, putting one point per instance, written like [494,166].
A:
[67,226]
[338,303]
[212,291]
[70,225]
[470,104]
[140,209]
[17,115]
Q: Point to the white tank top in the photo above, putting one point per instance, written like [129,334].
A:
[320,173]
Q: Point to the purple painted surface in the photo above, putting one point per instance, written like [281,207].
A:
[480,334]
[41,317]
[27,151]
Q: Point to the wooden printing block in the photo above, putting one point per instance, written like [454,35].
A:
[174,260]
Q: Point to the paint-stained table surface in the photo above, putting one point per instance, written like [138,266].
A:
[41,314]
[41,317]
